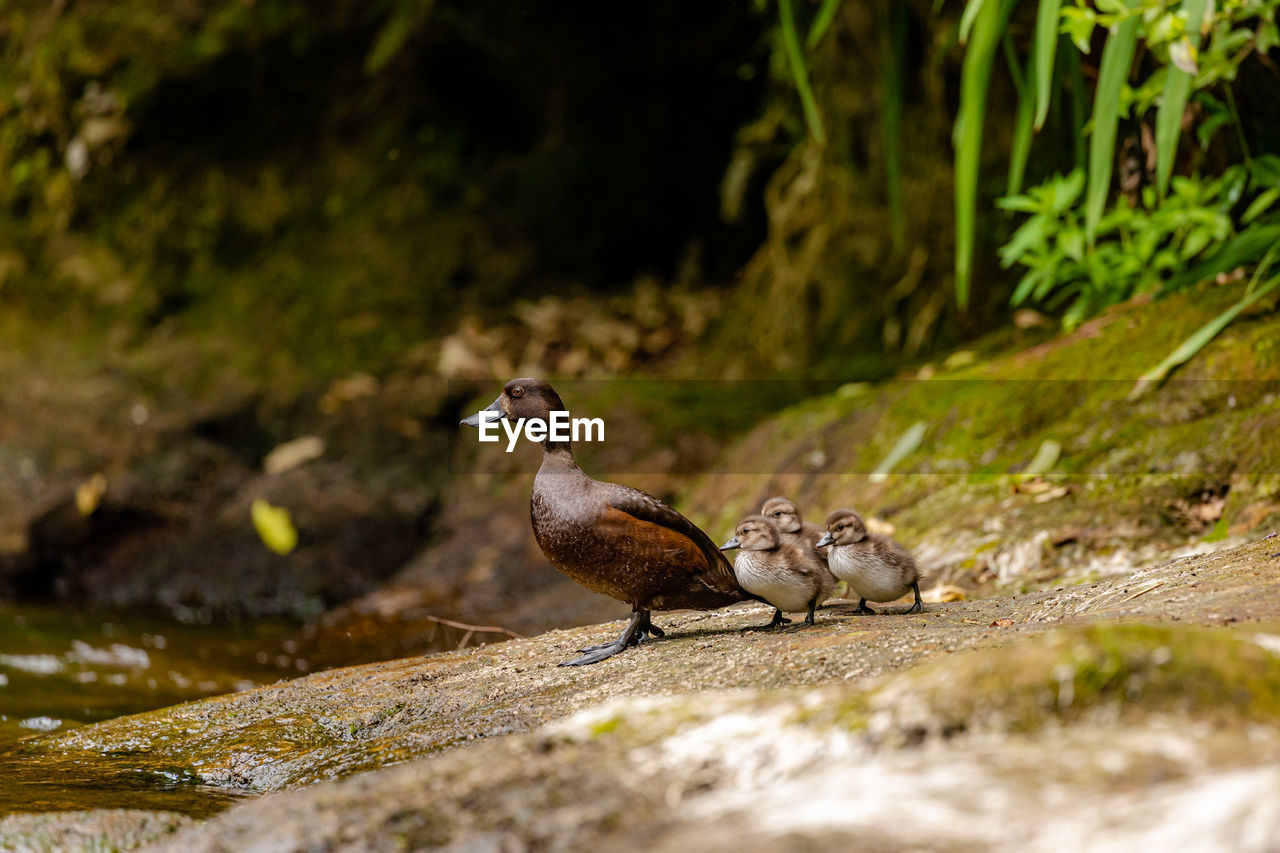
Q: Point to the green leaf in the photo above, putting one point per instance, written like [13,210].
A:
[1045,50]
[1265,171]
[795,58]
[1210,126]
[1022,129]
[1032,232]
[1019,203]
[1046,457]
[1260,205]
[274,526]
[975,78]
[1195,242]
[1117,56]
[905,446]
[821,23]
[1174,102]
[1078,23]
[1245,248]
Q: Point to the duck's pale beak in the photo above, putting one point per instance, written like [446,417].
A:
[475,419]
[825,540]
[730,545]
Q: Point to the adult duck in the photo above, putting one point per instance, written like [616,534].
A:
[613,539]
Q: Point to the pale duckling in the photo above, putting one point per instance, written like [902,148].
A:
[794,529]
[875,567]
[788,576]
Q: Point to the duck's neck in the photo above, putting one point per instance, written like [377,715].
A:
[557,453]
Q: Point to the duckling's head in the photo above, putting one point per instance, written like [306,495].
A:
[522,398]
[783,513]
[844,527]
[754,533]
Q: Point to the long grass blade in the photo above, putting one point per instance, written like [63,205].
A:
[795,58]
[1022,127]
[821,23]
[1176,87]
[1117,56]
[907,444]
[891,23]
[1079,103]
[1192,345]
[1044,51]
[970,14]
[975,78]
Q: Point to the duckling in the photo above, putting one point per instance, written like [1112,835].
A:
[794,529]
[788,576]
[614,539]
[874,566]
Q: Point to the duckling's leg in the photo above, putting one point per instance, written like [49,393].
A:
[918,607]
[778,620]
[808,619]
[636,631]
[863,608]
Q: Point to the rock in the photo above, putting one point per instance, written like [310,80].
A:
[100,829]
[714,738]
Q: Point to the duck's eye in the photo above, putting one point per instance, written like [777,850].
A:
[777,513]
[517,391]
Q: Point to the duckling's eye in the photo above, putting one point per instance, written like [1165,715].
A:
[777,513]
[841,526]
[517,391]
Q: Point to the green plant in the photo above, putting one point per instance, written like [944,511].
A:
[1157,55]
[1134,249]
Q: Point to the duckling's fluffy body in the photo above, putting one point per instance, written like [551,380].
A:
[783,578]
[875,567]
[788,576]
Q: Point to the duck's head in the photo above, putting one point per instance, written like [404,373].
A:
[844,527]
[521,398]
[783,513]
[754,533]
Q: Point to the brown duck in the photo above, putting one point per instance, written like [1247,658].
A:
[614,539]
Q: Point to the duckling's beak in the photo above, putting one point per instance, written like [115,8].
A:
[730,545]
[825,540]
[475,419]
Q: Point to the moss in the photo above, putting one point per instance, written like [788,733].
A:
[1213,674]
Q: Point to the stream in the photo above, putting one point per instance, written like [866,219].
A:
[60,669]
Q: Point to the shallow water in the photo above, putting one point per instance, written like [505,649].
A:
[60,669]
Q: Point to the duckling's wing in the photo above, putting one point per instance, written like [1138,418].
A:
[646,507]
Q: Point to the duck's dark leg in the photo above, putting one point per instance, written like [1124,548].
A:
[863,608]
[635,633]
[646,630]
[808,619]
[778,619]
[918,607]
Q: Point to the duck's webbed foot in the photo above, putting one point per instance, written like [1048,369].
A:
[639,630]
[778,621]
[863,608]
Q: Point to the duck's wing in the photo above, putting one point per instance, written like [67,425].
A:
[646,507]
